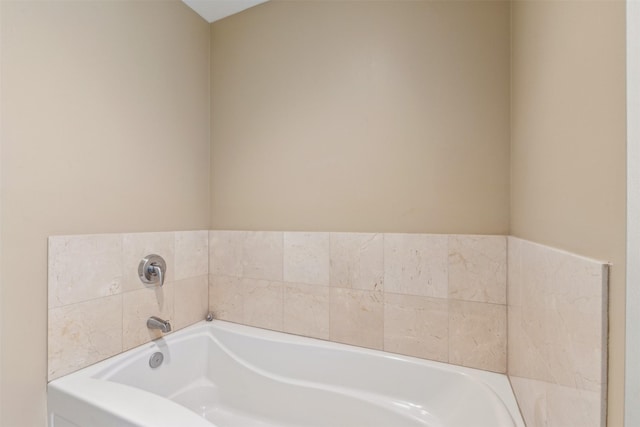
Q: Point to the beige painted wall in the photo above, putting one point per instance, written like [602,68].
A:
[408,131]
[105,129]
[568,143]
[1,126]
[362,116]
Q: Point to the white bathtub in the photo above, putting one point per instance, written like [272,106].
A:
[223,374]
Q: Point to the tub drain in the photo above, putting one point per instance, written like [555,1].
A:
[156,359]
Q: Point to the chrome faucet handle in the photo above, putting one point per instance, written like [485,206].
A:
[156,270]
[152,269]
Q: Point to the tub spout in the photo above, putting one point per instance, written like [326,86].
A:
[154,322]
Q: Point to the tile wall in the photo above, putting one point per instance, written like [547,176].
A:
[440,297]
[98,306]
[557,335]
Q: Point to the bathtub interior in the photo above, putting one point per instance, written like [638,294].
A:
[233,375]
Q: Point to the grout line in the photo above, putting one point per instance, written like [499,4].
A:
[506,303]
[283,282]
[448,303]
[209,310]
[384,298]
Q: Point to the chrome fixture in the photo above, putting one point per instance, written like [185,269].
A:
[152,269]
[154,322]
[156,359]
[209,317]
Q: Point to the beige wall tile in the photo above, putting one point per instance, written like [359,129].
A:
[466,333]
[478,335]
[557,334]
[356,317]
[138,306]
[567,406]
[191,254]
[226,298]
[263,302]
[525,358]
[306,310]
[84,333]
[564,348]
[533,393]
[262,255]
[478,268]
[557,406]
[136,246]
[92,266]
[84,267]
[558,326]
[514,271]
[416,264]
[191,301]
[225,252]
[306,258]
[357,260]
[559,280]
[576,342]
[416,326]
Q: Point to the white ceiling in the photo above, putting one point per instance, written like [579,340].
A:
[212,10]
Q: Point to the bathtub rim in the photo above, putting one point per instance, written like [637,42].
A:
[88,378]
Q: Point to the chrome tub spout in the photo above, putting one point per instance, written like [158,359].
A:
[157,323]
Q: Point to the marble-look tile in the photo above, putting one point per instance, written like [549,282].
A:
[557,317]
[225,252]
[356,317]
[306,258]
[478,335]
[226,298]
[416,326]
[191,254]
[567,406]
[357,260]
[554,279]
[84,333]
[262,255]
[306,310]
[191,301]
[478,268]
[263,302]
[543,404]
[532,400]
[565,348]
[416,264]
[138,306]
[514,271]
[136,246]
[84,267]
[525,359]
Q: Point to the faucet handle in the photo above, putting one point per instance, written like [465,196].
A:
[155,270]
[152,269]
